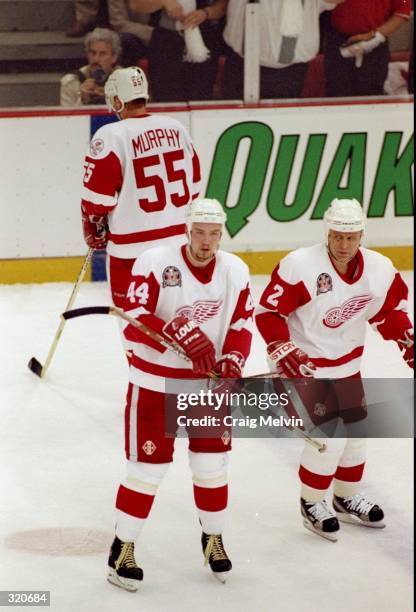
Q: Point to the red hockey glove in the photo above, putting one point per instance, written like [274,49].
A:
[197,346]
[406,346]
[290,361]
[95,229]
[230,365]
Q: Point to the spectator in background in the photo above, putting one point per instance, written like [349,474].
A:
[356,48]
[134,30]
[176,73]
[289,39]
[86,85]
[87,16]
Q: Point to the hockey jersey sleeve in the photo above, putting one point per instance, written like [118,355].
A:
[392,319]
[141,302]
[240,331]
[103,175]
[283,295]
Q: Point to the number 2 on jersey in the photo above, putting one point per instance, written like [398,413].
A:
[147,171]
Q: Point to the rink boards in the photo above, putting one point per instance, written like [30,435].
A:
[275,167]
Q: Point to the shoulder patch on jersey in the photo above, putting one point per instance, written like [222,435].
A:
[171,277]
[96,146]
[323,283]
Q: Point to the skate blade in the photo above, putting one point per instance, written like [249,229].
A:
[122,583]
[221,576]
[355,520]
[327,536]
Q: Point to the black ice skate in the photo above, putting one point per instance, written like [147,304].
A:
[216,556]
[318,518]
[123,570]
[358,510]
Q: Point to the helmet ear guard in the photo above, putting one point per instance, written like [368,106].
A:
[344,216]
[205,210]
[127,84]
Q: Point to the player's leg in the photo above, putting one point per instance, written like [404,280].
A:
[208,461]
[350,505]
[316,473]
[118,276]
[149,455]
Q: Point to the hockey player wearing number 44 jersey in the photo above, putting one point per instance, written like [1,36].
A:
[313,317]
[140,175]
[199,298]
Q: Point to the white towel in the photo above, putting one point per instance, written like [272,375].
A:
[291,22]
[196,51]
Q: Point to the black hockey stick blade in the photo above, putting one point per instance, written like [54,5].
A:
[35,366]
[88,310]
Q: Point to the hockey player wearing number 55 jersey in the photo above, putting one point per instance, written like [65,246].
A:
[140,175]
[199,298]
[313,317]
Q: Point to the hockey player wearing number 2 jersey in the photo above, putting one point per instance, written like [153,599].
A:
[199,298]
[140,175]
[313,317]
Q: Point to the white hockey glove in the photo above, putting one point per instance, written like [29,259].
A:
[359,48]
[195,49]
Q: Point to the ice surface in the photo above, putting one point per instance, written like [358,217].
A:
[61,459]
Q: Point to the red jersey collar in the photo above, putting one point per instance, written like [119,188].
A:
[203,274]
[355,268]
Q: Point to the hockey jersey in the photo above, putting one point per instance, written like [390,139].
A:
[142,172]
[165,284]
[325,313]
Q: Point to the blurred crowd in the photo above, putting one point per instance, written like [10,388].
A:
[194,49]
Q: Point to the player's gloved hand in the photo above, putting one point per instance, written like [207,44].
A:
[406,346]
[230,365]
[197,346]
[95,229]
[291,361]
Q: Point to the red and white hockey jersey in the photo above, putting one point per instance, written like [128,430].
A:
[142,172]
[164,284]
[325,314]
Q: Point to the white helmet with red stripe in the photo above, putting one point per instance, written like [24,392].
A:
[205,210]
[344,216]
[127,84]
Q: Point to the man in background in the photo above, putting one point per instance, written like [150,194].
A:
[86,85]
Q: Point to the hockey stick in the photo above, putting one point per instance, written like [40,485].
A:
[34,365]
[112,310]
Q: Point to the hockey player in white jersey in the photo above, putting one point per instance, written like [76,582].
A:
[312,316]
[199,298]
[140,175]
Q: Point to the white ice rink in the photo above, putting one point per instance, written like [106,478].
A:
[61,460]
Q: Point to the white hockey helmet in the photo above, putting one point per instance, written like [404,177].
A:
[127,84]
[205,210]
[344,216]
